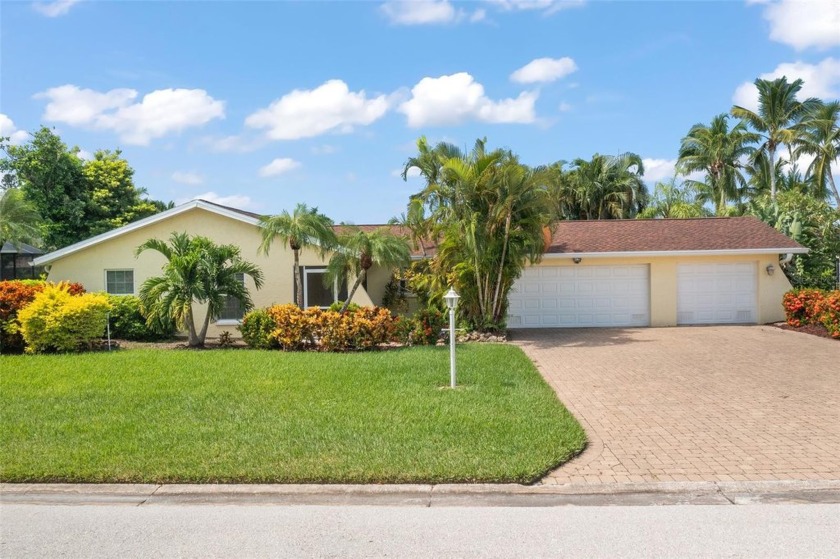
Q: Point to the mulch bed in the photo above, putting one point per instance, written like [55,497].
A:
[813,329]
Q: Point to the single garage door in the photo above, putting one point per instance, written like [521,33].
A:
[580,296]
[716,293]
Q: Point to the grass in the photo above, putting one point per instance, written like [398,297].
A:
[252,416]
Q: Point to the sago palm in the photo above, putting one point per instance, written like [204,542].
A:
[303,228]
[779,117]
[358,251]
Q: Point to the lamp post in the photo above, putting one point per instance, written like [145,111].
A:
[451,299]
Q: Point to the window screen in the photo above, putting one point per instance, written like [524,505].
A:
[233,308]
[119,282]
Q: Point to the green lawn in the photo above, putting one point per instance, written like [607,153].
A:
[260,416]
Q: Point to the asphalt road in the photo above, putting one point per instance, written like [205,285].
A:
[683,531]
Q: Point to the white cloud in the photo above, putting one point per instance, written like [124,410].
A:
[192,179]
[279,166]
[238,201]
[544,70]
[820,80]
[325,149]
[84,155]
[564,107]
[546,6]
[413,172]
[234,143]
[802,25]
[657,170]
[478,15]
[420,12]
[158,113]
[305,113]
[54,9]
[9,130]
[457,98]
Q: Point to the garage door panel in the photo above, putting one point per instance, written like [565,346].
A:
[716,293]
[581,296]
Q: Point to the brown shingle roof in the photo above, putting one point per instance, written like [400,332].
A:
[660,235]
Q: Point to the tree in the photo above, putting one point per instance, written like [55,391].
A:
[19,220]
[196,271]
[820,139]
[673,200]
[604,187]
[303,228]
[487,213]
[358,251]
[718,152]
[779,118]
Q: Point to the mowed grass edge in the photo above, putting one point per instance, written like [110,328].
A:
[246,416]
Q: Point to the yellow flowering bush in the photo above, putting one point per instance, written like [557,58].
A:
[57,321]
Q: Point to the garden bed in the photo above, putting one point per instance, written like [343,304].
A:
[812,329]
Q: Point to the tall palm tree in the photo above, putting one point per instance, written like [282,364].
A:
[604,187]
[718,152]
[821,139]
[779,116]
[196,271]
[19,220]
[673,200]
[359,250]
[303,228]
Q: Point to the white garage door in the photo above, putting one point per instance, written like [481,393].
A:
[716,293]
[580,296]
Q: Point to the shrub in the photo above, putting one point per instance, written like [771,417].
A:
[257,328]
[129,322]
[801,306]
[429,323]
[14,296]
[336,307]
[828,312]
[292,326]
[59,321]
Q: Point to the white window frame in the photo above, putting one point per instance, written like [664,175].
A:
[133,281]
[316,270]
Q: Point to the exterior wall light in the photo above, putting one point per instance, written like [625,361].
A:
[576,259]
[770,269]
[451,299]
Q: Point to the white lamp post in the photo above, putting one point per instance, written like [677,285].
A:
[451,299]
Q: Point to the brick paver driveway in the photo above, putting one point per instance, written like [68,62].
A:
[716,403]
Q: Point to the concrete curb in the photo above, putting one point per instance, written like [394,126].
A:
[422,495]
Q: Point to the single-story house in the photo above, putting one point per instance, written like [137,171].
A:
[660,272]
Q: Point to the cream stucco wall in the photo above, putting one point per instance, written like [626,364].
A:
[663,281]
[88,266]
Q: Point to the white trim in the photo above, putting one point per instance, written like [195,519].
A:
[648,253]
[228,322]
[316,270]
[192,204]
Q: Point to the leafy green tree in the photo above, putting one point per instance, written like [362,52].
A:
[812,223]
[50,177]
[487,213]
[303,228]
[820,138]
[718,152]
[604,187]
[673,200]
[196,271]
[358,251]
[779,118]
[19,220]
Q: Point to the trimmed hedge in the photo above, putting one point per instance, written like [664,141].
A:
[57,321]
[813,306]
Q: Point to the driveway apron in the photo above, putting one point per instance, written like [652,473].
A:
[716,403]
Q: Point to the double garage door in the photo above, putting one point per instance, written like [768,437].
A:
[619,296]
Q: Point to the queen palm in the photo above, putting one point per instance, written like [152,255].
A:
[303,228]
[821,139]
[19,220]
[359,250]
[718,152]
[778,120]
[196,271]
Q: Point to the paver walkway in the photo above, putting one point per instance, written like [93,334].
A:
[718,403]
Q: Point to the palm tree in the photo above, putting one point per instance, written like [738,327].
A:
[359,250]
[673,200]
[605,187]
[303,228]
[196,271]
[779,116]
[19,220]
[718,152]
[821,139]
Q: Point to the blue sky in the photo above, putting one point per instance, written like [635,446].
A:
[262,105]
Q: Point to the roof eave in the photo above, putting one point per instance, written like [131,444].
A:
[651,253]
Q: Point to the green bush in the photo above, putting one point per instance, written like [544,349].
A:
[59,321]
[257,328]
[336,307]
[128,321]
[428,325]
